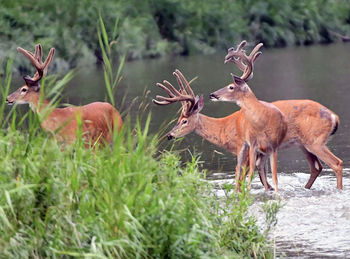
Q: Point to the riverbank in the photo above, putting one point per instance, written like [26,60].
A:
[148,29]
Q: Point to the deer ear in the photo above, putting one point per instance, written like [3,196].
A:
[29,81]
[198,106]
[238,81]
[36,88]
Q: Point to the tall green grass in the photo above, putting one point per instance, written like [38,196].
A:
[125,201]
[122,203]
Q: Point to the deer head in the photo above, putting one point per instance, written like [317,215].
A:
[238,90]
[191,105]
[31,90]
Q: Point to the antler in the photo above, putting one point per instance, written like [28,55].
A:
[245,63]
[36,60]
[184,95]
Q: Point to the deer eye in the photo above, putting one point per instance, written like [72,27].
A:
[184,121]
[23,90]
[231,87]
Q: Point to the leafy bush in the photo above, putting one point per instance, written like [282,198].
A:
[154,28]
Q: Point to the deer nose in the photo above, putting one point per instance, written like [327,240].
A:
[170,136]
[213,96]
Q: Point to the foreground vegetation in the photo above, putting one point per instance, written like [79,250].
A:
[127,200]
[154,28]
[124,201]
[120,203]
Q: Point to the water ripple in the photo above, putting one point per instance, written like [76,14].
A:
[312,223]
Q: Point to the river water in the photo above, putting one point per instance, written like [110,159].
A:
[312,223]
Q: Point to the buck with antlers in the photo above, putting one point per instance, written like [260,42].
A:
[98,119]
[224,132]
[309,124]
[264,124]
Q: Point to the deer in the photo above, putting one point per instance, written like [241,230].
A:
[310,124]
[97,120]
[264,124]
[224,131]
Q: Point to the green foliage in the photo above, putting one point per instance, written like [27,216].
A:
[271,208]
[118,203]
[280,23]
[112,79]
[154,28]
[123,201]
[240,232]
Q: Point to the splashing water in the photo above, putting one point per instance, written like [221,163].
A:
[311,223]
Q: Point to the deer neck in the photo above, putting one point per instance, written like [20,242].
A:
[39,104]
[48,114]
[215,130]
[254,111]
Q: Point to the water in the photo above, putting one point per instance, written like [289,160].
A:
[312,223]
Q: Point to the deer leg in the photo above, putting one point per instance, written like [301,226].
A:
[238,186]
[315,167]
[252,160]
[245,164]
[266,170]
[262,166]
[331,160]
[273,164]
[242,161]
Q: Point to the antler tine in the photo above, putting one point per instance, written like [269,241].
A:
[184,80]
[241,45]
[181,81]
[29,55]
[159,102]
[185,104]
[38,54]
[255,50]
[36,60]
[172,88]
[181,95]
[48,60]
[249,60]
[165,89]
[237,62]
[174,95]
[245,63]
[230,57]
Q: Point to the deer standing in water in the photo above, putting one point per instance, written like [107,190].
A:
[224,132]
[309,124]
[98,119]
[264,124]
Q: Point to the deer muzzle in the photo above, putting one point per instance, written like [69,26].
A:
[213,97]
[9,102]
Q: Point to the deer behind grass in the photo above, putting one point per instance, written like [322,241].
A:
[98,119]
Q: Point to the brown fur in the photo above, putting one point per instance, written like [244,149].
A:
[263,128]
[224,132]
[98,119]
[230,132]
